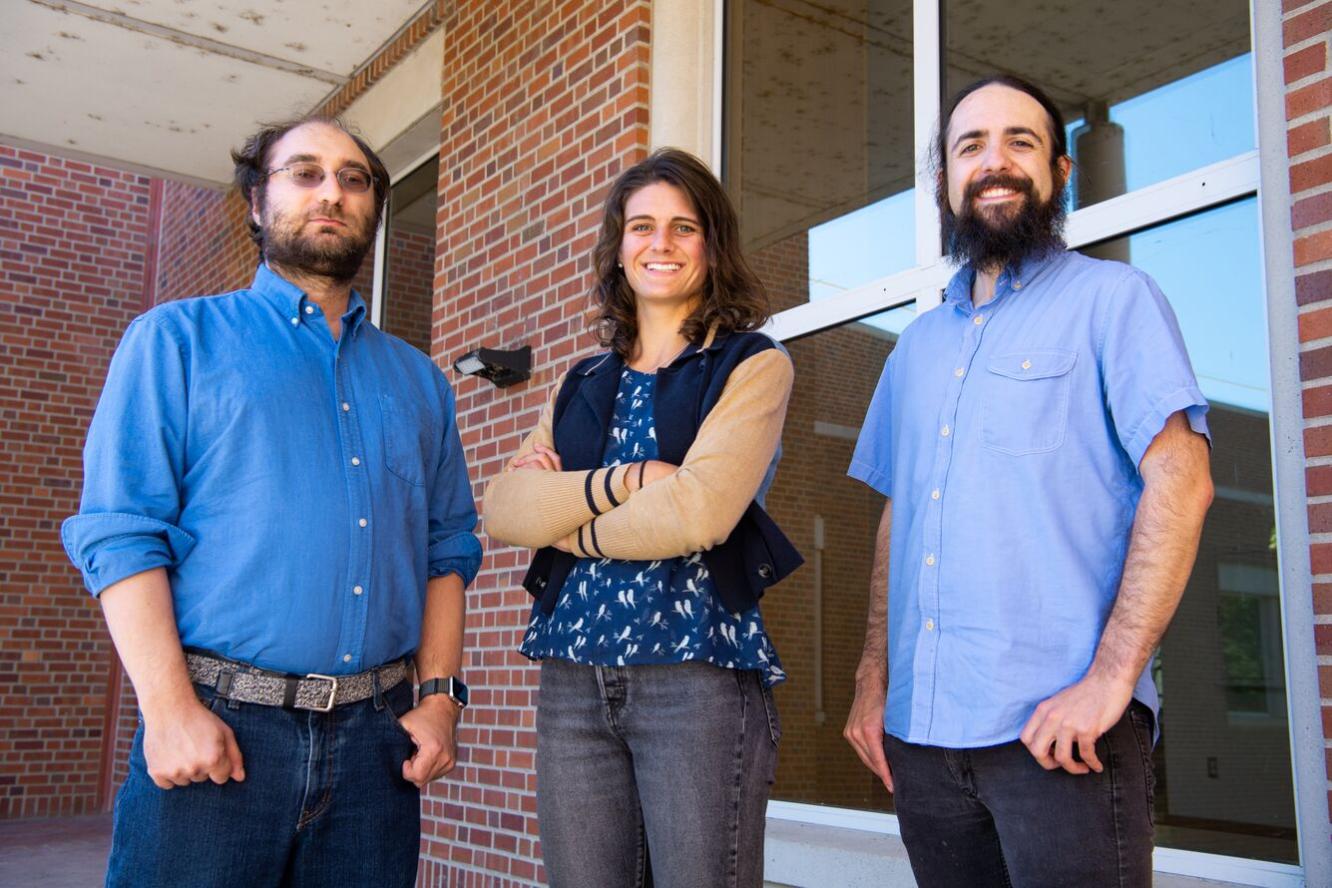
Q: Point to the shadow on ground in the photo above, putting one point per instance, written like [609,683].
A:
[64,852]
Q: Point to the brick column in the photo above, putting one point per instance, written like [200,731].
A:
[544,104]
[1306,26]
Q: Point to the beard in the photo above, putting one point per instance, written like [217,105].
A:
[287,243]
[1003,236]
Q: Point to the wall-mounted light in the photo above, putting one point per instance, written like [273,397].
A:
[501,366]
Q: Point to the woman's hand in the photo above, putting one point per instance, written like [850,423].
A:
[540,458]
[647,472]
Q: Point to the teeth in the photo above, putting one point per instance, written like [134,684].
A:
[662,266]
[997,192]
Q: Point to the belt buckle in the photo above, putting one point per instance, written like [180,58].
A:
[332,694]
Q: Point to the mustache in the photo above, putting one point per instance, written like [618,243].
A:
[1019,184]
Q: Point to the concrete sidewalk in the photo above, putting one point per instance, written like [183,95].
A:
[63,852]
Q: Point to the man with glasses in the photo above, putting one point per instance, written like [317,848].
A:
[277,520]
[1042,442]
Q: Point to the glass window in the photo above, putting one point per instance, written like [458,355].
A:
[820,157]
[409,258]
[1223,762]
[1155,89]
[817,616]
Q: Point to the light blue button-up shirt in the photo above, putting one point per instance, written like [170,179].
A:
[1008,438]
[299,490]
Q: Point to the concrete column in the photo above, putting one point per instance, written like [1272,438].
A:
[1100,170]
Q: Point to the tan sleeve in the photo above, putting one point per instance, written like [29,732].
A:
[536,507]
[700,504]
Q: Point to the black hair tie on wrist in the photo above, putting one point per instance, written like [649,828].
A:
[642,467]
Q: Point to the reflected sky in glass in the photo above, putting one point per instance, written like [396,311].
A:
[1193,122]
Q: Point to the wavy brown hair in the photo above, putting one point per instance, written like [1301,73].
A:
[733,296]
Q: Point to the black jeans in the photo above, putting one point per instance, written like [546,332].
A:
[994,817]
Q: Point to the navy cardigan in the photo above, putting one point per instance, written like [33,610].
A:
[757,553]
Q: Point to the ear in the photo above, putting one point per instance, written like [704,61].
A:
[254,207]
[1065,167]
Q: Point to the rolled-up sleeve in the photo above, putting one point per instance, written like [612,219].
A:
[133,462]
[1145,367]
[453,544]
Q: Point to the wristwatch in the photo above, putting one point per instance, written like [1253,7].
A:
[451,687]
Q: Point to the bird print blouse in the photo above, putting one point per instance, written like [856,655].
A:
[623,613]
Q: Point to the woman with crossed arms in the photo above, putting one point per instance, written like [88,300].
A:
[641,488]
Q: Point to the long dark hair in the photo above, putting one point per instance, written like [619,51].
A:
[733,297]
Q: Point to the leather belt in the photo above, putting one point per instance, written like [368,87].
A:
[319,693]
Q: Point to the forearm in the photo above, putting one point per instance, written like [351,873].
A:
[141,617]
[1162,547]
[535,507]
[874,656]
[440,652]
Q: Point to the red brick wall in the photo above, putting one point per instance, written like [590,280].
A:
[1305,29]
[73,246]
[544,104]
[410,287]
[203,243]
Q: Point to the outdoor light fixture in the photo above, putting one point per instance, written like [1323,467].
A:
[501,366]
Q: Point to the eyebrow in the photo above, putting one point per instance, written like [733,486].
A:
[689,219]
[312,158]
[1008,131]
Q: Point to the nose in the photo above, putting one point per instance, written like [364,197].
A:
[329,190]
[995,158]
[662,240]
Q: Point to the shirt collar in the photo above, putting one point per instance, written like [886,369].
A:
[1016,277]
[291,299]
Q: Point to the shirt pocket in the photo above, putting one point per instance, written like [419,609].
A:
[1026,401]
[408,431]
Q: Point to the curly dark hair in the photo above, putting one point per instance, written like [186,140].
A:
[733,296]
[252,160]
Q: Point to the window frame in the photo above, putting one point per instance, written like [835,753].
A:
[1250,173]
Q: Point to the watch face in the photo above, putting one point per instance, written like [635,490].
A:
[458,691]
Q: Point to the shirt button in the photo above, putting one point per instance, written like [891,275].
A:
[959,372]
[363,522]
[357,590]
[945,431]
[934,494]
[929,625]
[1017,285]
[309,309]
[356,460]
[346,658]
[978,320]
[929,559]
[345,406]
[295,322]
[1026,365]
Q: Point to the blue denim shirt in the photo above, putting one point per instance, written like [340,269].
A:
[1008,438]
[299,490]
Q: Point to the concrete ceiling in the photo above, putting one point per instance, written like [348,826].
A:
[169,85]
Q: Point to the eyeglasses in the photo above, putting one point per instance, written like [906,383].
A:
[353,180]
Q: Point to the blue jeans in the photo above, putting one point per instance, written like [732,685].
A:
[653,775]
[994,817]
[323,803]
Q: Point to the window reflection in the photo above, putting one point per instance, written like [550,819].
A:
[820,158]
[817,616]
[1157,88]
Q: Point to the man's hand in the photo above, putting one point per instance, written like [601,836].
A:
[1073,720]
[188,744]
[433,728]
[864,728]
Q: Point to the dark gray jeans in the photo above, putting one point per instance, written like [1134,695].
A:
[994,817]
[676,758]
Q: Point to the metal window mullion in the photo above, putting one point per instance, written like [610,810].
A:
[927,89]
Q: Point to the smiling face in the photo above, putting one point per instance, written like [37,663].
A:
[999,153]
[324,230]
[663,249]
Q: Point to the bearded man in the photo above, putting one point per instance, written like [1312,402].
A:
[277,521]
[1042,442]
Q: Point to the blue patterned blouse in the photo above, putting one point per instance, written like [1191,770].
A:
[621,613]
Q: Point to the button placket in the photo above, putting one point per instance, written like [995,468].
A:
[351,430]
